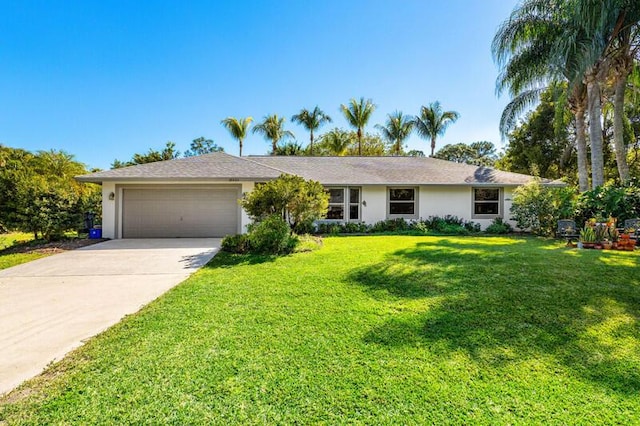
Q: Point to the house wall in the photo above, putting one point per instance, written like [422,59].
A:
[432,201]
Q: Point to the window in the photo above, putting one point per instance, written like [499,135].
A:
[343,207]
[403,203]
[486,203]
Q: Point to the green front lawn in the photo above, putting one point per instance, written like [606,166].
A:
[14,239]
[370,330]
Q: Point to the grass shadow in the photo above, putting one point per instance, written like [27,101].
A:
[503,303]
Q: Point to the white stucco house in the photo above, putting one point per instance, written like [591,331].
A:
[198,196]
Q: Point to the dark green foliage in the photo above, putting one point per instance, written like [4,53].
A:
[271,236]
[238,244]
[202,146]
[478,153]
[619,201]
[294,199]
[535,147]
[168,153]
[391,225]
[498,226]
[448,225]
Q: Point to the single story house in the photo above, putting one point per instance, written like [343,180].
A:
[198,196]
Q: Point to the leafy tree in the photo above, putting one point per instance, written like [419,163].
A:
[478,153]
[396,130]
[415,153]
[357,114]
[238,128]
[168,153]
[538,208]
[311,120]
[39,194]
[272,128]
[294,199]
[372,145]
[537,148]
[433,122]
[202,146]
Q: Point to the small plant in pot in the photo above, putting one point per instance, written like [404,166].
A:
[587,237]
[614,236]
[600,232]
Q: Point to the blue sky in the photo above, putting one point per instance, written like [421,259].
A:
[104,80]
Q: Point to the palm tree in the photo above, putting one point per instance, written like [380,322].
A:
[525,47]
[433,122]
[358,114]
[238,128]
[336,141]
[311,121]
[622,50]
[396,130]
[272,128]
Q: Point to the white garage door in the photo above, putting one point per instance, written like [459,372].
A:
[180,212]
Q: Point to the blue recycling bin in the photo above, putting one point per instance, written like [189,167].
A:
[95,234]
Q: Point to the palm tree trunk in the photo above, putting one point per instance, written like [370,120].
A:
[595,129]
[359,141]
[240,140]
[618,127]
[274,147]
[311,142]
[433,146]
[581,145]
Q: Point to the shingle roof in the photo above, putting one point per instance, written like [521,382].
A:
[326,170]
[214,166]
[390,170]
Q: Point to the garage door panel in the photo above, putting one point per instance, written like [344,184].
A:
[187,213]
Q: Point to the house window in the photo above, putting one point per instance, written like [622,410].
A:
[486,203]
[403,203]
[344,203]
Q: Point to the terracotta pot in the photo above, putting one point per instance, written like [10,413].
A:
[607,246]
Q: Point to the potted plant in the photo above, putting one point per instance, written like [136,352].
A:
[588,237]
[600,232]
[614,236]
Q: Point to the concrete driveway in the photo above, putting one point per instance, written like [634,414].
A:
[49,306]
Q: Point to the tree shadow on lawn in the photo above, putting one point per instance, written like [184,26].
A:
[578,308]
[229,260]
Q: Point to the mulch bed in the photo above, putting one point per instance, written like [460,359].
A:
[50,247]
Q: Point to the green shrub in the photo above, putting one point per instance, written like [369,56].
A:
[271,236]
[236,244]
[538,208]
[499,226]
[621,202]
[391,225]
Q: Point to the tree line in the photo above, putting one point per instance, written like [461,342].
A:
[38,193]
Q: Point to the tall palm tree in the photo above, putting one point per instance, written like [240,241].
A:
[396,130]
[272,128]
[525,46]
[358,114]
[622,50]
[336,142]
[311,121]
[238,128]
[433,122]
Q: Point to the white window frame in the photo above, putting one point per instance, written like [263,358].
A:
[346,204]
[500,203]
[416,196]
